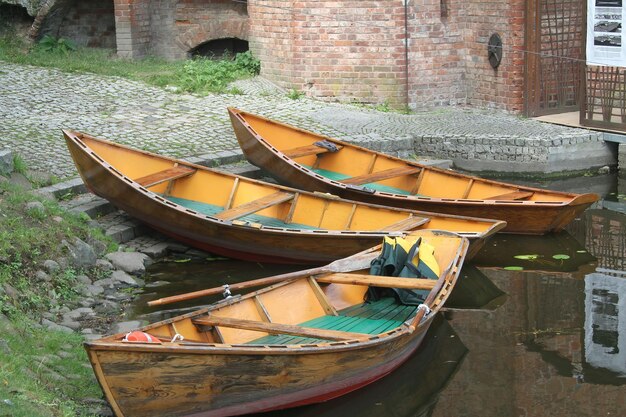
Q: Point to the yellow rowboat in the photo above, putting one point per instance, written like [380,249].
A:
[243,218]
[306,338]
[313,162]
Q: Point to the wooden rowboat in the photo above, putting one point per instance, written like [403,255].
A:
[306,339]
[313,162]
[243,218]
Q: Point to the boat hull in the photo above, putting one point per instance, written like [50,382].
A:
[522,217]
[225,238]
[140,381]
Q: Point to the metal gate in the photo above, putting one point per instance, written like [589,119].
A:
[555,31]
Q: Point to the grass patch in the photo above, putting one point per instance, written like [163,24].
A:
[200,75]
[29,237]
[42,372]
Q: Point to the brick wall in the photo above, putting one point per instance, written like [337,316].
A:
[354,50]
[501,88]
[170,29]
[345,50]
[437,53]
[89,24]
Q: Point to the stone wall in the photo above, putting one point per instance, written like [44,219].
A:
[89,23]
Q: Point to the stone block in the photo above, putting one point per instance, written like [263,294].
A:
[6,162]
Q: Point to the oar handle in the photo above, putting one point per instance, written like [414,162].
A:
[237,286]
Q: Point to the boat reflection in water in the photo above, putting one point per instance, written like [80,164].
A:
[412,390]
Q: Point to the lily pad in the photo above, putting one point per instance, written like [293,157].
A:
[581,251]
[527,257]
[560,256]
[180,261]
[514,268]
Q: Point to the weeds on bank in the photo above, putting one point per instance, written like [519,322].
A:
[42,372]
[200,75]
[29,237]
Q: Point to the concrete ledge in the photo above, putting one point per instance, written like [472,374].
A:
[526,157]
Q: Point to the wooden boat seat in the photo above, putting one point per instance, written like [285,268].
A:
[382,175]
[211,210]
[514,195]
[336,176]
[276,328]
[409,223]
[164,176]
[306,151]
[367,318]
[254,206]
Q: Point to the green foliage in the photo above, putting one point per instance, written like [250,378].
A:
[204,75]
[60,45]
[29,238]
[295,94]
[198,76]
[247,63]
[19,165]
[31,368]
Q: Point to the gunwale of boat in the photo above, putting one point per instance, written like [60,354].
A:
[449,273]
[568,199]
[77,138]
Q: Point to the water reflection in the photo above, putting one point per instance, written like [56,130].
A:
[547,340]
[412,390]
[557,252]
[605,311]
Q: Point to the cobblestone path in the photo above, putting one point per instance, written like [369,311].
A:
[36,103]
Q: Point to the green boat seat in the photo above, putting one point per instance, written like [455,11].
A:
[211,210]
[368,318]
[336,176]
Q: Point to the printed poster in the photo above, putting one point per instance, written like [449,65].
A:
[605,44]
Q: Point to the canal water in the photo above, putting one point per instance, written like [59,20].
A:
[535,327]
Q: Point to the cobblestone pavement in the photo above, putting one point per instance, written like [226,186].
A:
[35,103]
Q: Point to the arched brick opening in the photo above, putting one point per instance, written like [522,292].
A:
[218,48]
[211,34]
[87,23]
[14,19]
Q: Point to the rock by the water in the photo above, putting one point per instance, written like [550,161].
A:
[104,265]
[128,326]
[53,326]
[81,254]
[51,266]
[124,278]
[132,262]
[41,276]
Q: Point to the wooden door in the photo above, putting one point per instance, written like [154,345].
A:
[555,55]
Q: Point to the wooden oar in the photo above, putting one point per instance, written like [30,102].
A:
[361,260]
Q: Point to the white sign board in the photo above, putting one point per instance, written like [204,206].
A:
[605,44]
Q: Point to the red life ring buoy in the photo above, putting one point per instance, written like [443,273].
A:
[140,337]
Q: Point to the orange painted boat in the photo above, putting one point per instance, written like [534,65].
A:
[313,162]
[243,218]
[307,338]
